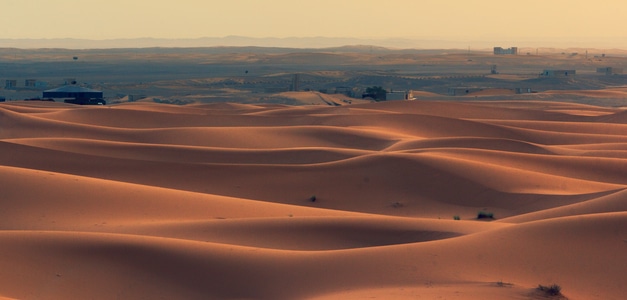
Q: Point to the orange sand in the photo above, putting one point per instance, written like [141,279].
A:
[214,201]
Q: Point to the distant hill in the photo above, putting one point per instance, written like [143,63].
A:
[307,42]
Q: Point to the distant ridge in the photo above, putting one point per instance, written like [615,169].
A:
[229,41]
[303,42]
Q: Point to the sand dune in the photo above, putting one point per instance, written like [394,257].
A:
[605,93]
[234,201]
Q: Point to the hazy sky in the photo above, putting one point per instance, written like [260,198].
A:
[442,19]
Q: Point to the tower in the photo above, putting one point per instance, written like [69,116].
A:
[295,82]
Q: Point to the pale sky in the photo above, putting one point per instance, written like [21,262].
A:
[441,19]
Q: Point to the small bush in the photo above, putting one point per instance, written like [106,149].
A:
[553,290]
[485,215]
[457,218]
[500,283]
[313,198]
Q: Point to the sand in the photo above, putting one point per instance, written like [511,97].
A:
[238,201]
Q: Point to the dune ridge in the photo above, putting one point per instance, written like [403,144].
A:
[238,201]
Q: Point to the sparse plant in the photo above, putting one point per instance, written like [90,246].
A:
[313,198]
[375,92]
[457,218]
[485,215]
[552,290]
[500,283]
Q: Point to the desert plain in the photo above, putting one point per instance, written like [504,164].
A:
[246,193]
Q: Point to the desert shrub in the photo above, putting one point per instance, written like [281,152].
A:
[313,198]
[457,218]
[375,92]
[397,204]
[552,290]
[500,283]
[485,215]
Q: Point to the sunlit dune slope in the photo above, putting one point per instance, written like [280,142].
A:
[234,201]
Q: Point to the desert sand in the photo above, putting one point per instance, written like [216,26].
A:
[241,201]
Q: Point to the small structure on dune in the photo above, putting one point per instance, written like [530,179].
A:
[10,84]
[610,71]
[30,82]
[493,70]
[76,95]
[520,90]
[508,51]
[295,86]
[466,91]
[34,84]
[558,73]
[400,95]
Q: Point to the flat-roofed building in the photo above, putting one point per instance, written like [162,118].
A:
[508,51]
[10,84]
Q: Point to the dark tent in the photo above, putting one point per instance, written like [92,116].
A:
[73,91]
[80,95]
